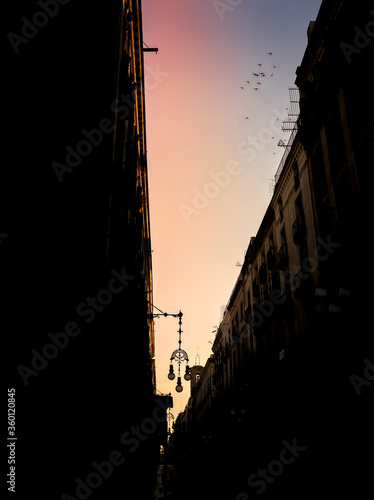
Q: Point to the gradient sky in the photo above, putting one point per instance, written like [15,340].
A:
[196,127]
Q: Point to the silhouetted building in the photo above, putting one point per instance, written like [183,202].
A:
[295,327]
[76,263]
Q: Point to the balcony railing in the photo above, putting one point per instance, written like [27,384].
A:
[285,154]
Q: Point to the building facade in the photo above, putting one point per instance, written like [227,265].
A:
[78,188]
[295,327]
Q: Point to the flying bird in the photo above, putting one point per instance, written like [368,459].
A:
[247,81]
[259,64]
[275,66]
[255,88]
[255,74]
[258,83]
[242,87]
[270,53]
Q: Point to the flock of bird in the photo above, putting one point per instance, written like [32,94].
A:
[265,70]
[260,74]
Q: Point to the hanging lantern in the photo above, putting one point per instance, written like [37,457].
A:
[187,375]
[171,375]
[179,387]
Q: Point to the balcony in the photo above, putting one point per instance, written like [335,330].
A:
[283,257]
[299,229]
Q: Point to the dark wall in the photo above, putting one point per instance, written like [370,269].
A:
[74,409]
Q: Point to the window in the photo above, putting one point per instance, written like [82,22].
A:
[303,253]
[295,169]
[283,252]
[336,144]
[299,227]
[255,288]
[270,256]
[263,274]
[280,207]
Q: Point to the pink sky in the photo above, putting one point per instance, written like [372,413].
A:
[196,126]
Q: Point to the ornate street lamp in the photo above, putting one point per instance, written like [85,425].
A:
[179,355]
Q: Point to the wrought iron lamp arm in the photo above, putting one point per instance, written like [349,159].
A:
[179,354]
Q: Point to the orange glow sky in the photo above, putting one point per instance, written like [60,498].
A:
[196,125]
